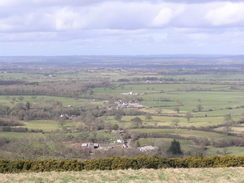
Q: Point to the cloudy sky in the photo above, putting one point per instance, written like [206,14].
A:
[121,27]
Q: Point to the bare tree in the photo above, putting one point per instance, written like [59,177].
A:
[148,116]
[228,118]
[199,107]
[188,116]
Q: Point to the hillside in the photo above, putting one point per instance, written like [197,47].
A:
[210,175]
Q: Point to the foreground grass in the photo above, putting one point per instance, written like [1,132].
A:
[210,175]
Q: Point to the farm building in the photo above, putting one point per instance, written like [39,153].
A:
[90,145]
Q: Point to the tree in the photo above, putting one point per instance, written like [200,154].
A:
[4,110]
[188,116]
[175,148]
[242,118]
[228,118]
[199,107]
[90,121]
[115,127]
[118,117]
[175,122]
[177,109]
[227,129]
[159,110]
[90,92]
[148,116]
[28,106]
[137,144]
[137,121]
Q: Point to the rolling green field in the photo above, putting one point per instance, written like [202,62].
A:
[14,135]
[70,105]
[45,125]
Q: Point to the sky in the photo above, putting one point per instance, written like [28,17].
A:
[121,27]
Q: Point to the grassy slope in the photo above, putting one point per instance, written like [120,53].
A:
[210,175]
[45,125]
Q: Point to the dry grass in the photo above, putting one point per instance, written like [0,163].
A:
[207,175]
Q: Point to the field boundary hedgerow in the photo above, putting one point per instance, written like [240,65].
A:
[116,163]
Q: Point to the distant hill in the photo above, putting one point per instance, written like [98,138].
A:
[128,61]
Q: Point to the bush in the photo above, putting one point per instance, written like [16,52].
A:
[115,163]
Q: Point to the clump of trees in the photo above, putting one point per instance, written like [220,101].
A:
[9,122]
[71,88]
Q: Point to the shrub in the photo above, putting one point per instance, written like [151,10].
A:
[114,163]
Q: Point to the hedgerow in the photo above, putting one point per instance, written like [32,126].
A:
[115,163]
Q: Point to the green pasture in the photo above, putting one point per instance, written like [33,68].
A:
[236,129]
[183,96]
[183,132]
[209,100]
[186,145]
[234,150]
[157,121]
[237,113]
[182,121]
[45,125]
[91,134]
[16,76]
[188,101]
[152,88]
[122,123]
[13,135]
[207,77]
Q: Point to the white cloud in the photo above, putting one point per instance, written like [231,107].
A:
[134,22]
[4,3]
[107,15]
[163,17]
[117,15]
[167,13]
[67,19]
[226,14]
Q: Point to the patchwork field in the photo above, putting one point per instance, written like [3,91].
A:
[111,102]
